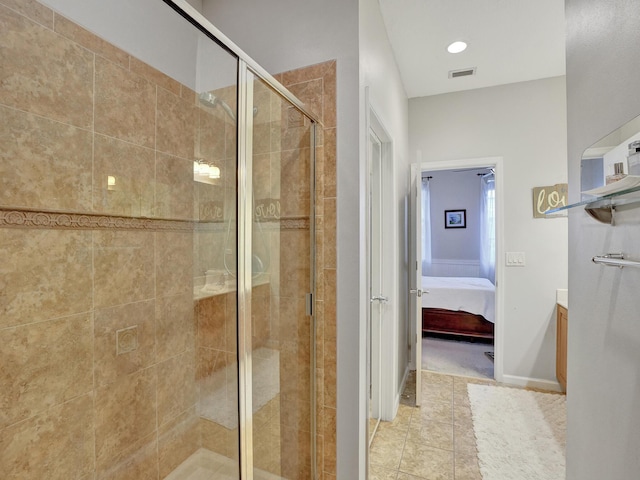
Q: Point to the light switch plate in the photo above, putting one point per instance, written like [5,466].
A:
[515,259]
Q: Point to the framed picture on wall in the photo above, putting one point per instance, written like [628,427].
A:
[455,218]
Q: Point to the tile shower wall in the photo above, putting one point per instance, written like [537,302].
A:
[98,355]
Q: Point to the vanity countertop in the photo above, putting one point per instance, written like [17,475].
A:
[562,297]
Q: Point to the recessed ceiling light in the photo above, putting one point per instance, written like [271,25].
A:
[456,47]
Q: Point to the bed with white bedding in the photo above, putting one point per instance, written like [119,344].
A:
[458,306]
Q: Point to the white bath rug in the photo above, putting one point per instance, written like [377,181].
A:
[520,434]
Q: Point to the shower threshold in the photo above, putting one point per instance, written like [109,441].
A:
[206,465]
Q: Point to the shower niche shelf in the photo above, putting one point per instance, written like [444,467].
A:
[603,207]
[199,292]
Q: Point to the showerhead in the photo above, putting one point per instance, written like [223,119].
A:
[208,99]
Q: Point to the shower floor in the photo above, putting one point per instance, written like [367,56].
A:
[207,465]
[220,407]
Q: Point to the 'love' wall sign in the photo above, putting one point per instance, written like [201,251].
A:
[548,198]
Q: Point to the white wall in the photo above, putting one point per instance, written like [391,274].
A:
[524,123]
[603,379]
[140,29]
[283,35]
[378,72]
[452,191]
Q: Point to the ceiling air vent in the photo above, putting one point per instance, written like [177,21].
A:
[465,72]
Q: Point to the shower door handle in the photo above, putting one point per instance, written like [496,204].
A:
[308,301]
[417,291]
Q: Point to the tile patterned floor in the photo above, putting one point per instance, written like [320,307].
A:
[432,442]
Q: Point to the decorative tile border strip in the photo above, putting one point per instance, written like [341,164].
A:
[82,221]
[295,223]
[285,223]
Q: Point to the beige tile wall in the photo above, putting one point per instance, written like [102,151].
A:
[217,333]
[98,359]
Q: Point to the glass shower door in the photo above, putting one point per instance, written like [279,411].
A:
[282,327]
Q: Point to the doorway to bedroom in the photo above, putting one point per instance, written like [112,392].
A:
[458,269]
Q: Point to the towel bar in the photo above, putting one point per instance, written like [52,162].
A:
[615,260]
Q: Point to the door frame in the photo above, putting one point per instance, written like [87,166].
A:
[376,286]
[498,165]
[414,232]
[388,357]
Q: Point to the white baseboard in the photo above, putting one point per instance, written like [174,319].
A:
[396,405]
[407,369]
[396,400]
[552,386]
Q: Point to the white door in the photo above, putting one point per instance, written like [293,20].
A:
[415,274]
[382,272]
[377,297]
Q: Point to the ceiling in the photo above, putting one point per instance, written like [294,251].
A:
[508,41]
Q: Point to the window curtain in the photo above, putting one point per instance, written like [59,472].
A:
[488,228]
[426,228]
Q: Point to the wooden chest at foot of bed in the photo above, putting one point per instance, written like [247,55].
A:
[437,320]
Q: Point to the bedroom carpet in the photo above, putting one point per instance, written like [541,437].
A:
[454,357]
[520,434]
